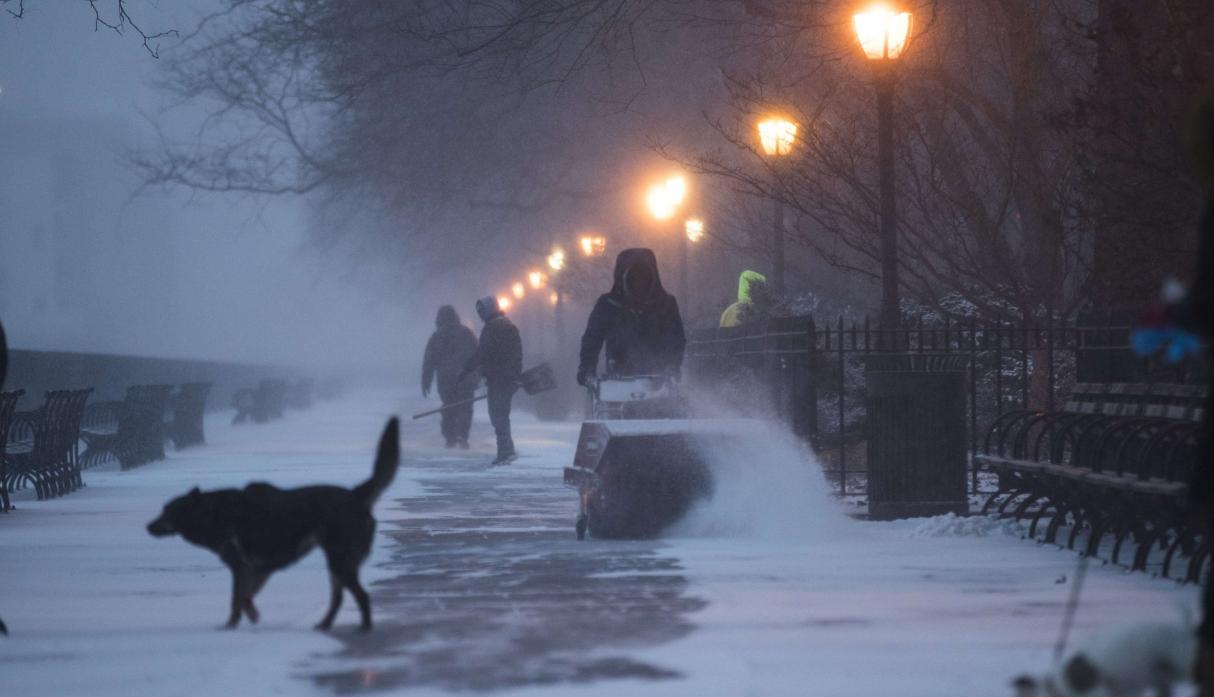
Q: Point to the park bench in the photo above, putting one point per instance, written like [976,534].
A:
[189,406]
[8,407]
[261,403]
[131,430]
[43,445]
[1114,462]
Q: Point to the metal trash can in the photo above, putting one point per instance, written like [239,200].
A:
[916,435]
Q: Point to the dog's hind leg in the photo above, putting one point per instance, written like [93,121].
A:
[350,580]
[335,597]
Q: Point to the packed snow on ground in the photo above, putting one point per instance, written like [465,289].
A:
[795,598]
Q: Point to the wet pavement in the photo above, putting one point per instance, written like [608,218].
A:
[494,591]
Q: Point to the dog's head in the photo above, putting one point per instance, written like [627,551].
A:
[177,515]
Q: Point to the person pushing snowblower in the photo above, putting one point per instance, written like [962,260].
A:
[499,357]
[640,462]
[637,320]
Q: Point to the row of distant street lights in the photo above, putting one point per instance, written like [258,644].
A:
[883,34]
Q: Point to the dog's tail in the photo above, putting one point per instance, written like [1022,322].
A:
[387,459]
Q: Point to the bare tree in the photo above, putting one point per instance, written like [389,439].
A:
[114,16]
[999,208]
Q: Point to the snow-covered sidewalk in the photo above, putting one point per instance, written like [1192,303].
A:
[478,584]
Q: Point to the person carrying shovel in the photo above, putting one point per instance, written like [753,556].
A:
[499,358]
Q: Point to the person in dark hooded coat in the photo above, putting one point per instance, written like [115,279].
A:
[638,321]
[499,358]
[449,348]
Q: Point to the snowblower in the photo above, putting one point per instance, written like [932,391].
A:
[641,462]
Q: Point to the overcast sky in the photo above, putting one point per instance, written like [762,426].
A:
[193,276]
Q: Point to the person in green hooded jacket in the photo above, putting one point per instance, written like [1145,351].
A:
[752,296]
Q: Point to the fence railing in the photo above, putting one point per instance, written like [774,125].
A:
[811,375]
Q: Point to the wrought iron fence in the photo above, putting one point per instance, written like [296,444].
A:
[811,376]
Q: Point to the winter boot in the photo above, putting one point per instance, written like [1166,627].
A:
[505,449]
[504,459]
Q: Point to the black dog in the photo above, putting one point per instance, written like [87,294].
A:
[261,529]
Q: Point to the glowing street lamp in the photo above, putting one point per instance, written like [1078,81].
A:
[593,245]
[777,135]
[554,298]
[556,259]
[695,229]
[884,34]
[503,303]
[519,290]
[664,198]
[537,279]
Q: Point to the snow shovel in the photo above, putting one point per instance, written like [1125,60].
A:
[533,381]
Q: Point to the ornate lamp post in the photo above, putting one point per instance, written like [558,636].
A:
[663,201]
[777,136]
[884,35]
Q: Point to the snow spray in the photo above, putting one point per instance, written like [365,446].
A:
[766,485]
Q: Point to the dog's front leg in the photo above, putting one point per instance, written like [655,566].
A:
[238,597]
[253,587]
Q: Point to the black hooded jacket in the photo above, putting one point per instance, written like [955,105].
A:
[449,348]
[499,355]
[641,327]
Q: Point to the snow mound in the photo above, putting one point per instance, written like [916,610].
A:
[953,525]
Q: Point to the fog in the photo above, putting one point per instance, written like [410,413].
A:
[271,191]
[90,262]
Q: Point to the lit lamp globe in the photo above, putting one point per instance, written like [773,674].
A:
[777,136]
[593,245]
[519,290]
[537,279]
[695,229]
[883,32]
[503,303]
[556,259]
[664,198]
